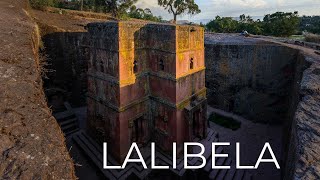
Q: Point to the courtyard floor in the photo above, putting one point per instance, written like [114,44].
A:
[252,137]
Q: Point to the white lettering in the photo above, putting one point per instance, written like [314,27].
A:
[141,160]
[153,159]
[199,155]
[105,160]
[238,166]
[174,158]
[214,155]
[274,160]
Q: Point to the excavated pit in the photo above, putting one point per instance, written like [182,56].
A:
[264,82]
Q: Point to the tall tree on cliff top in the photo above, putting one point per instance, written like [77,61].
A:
[119,7]
[281,23]
[177,7]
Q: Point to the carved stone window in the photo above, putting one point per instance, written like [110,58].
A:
[161,65]
[135,66]
[191,63]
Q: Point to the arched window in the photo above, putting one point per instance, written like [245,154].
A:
[191,63]
[135,66]
[161,65]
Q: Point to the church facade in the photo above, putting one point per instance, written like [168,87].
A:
[146,83]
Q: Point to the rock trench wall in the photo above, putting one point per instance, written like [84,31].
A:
[302,158]
[251,80]
[67,53]
[272,83]
[32,144]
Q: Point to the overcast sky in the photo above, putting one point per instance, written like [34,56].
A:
[233,8]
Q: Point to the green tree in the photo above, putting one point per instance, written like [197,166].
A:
[145,14]
[310,24]
[223,25]
[245,19]
[119,8]
[40,4]
[276,24]
[281,23]
[136,12]
[99,5]
[177,7]
[248,24]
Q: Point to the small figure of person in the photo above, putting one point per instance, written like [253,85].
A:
[245,33]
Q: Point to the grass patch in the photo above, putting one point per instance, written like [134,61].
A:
[225,121]
[297,37]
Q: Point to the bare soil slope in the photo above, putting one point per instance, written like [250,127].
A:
[32,144]
[55,20]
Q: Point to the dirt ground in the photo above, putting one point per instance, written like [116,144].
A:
[65,22]
[32,144]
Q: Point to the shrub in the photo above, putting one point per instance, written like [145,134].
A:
[312,38]
[42,4]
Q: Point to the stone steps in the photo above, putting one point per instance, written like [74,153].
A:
[214,172]
[230,174]
[239,175]
[223,172]
[67,120]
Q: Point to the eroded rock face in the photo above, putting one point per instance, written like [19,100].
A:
[259,105]
[67,54]
[308,126]
[253,80]
[270,83]
[31,143]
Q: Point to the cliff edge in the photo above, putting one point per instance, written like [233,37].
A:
[32,144]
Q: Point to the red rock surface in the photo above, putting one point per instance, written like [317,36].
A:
[32,144]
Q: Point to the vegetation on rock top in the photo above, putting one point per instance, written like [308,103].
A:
[283,24]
